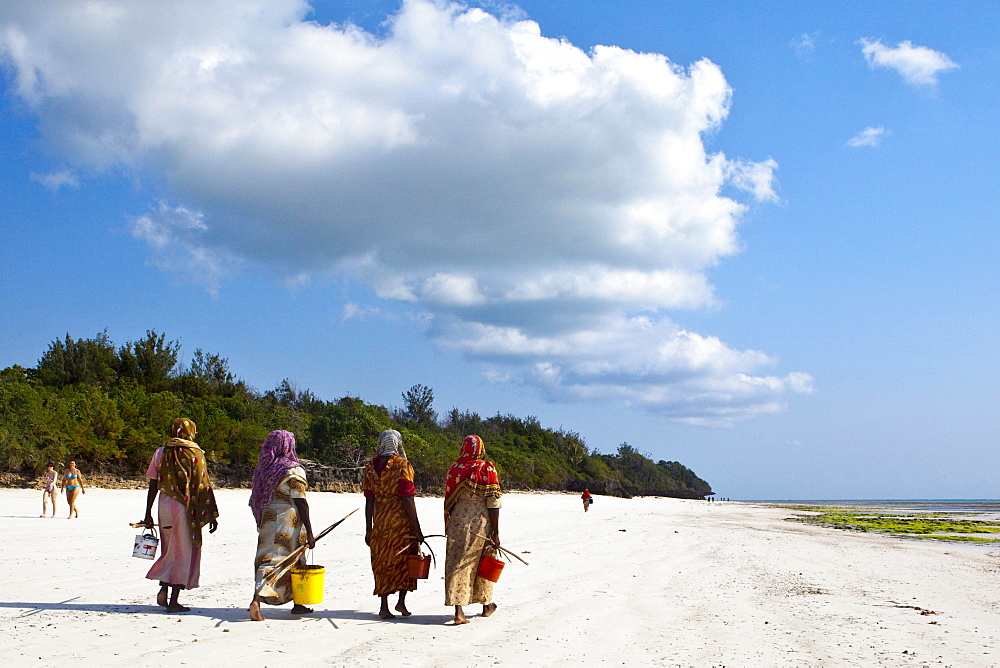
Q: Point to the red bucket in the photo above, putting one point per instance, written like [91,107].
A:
[418,566]
[489,568]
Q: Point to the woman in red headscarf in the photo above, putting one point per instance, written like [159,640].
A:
[471,506]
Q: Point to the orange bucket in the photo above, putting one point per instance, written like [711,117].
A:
[489,568]
[418,566]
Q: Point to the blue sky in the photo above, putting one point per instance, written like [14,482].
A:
[756,238]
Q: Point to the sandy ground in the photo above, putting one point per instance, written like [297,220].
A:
[661,582]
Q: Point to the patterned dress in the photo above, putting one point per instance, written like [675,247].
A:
[280,533]
[390,525]
[470,514]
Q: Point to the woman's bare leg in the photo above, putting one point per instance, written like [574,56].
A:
[71,499]
[255,609]
[460,615]
[401,604]
[383,612]
[174,606]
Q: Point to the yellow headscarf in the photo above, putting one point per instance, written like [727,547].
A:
[184,477]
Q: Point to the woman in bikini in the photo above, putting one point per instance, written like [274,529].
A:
[72,482]
[50,493]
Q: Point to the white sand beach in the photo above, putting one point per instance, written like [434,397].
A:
[646,581]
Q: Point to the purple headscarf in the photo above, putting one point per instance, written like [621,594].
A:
[277,455]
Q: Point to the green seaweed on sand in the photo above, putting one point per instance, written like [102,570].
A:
[936,526]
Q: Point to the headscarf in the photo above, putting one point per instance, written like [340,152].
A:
[183,476]
[390,442]
[277,456]
[470,471]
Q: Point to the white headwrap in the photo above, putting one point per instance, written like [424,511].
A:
[390,442]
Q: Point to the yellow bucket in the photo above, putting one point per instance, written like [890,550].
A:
[307,585]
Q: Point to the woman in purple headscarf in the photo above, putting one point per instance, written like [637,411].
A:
[279,506]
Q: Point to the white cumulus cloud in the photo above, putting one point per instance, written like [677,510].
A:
[805,45]
[918,65]
[175,236]
[870,136]
[531,198]
[56,180]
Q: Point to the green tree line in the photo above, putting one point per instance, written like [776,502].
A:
[109,406]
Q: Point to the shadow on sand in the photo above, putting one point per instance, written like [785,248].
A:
[228,615]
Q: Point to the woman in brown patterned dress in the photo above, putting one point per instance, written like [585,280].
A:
[392,529]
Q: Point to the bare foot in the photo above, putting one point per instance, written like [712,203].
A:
[461,620]
[385,614]
[401,609]
[177,607]
[300,610]
[255,612]
[161,598]
[489,609]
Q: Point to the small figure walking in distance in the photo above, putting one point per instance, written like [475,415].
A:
[50,493]
[587,499]
[72,482]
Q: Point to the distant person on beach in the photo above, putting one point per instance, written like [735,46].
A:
[587,499]
[179,474]
[72,482]
[50,492]
[279,506]
[471,507]
[392,529]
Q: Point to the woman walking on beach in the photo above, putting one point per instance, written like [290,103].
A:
[50,493]
[587,499]
[179,474]
[72,482]
[279,506]
[392,529]
[471,506]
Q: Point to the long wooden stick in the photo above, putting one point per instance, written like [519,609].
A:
[282,566]
[501,549]
[136,525]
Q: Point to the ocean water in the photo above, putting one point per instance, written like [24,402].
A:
[980,509]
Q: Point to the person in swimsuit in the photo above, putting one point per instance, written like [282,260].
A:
[73,484]
[51,476]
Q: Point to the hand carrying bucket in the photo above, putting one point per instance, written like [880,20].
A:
[307,584]
[418,566]
[490,567]
[145,545]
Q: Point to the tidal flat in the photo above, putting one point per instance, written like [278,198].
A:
[949,526]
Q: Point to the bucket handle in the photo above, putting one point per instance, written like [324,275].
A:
[420,551]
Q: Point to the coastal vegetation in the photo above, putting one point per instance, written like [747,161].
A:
[936,526]
[108,407]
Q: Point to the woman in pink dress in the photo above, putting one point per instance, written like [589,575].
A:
[179,474]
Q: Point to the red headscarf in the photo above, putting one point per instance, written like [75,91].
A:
[470,471]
